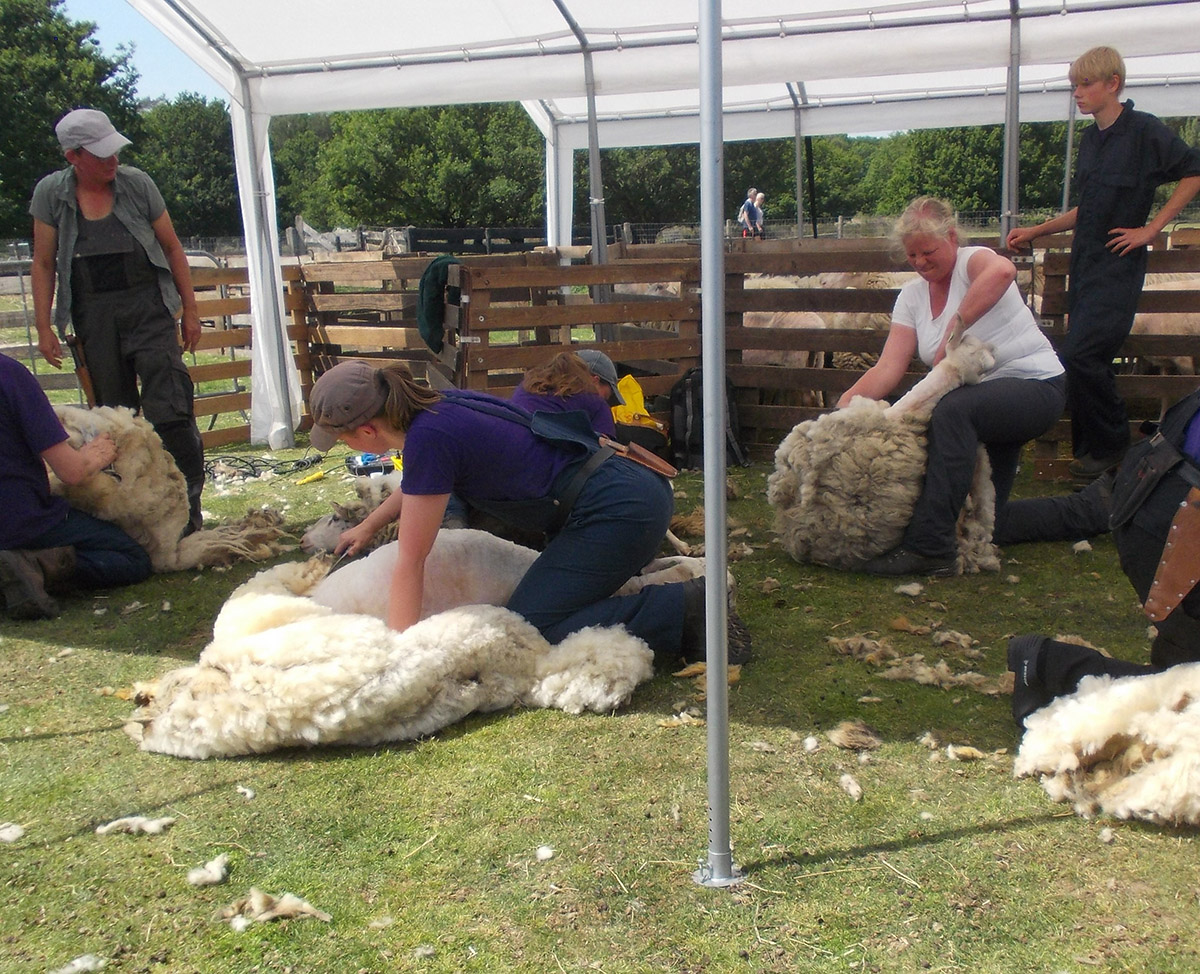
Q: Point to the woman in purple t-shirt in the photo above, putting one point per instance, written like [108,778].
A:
[586,380]
[482,449]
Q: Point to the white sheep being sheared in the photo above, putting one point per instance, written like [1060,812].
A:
[284,671]
[845,484]
[1128,747]
[466,567]
[144,492]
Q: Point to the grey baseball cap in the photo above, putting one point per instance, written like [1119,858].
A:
[87,128]
[343,399]
[601,366]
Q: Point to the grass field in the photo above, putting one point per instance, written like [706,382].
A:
[426,854]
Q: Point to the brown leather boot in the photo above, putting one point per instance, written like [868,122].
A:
[24,586]
[58,567]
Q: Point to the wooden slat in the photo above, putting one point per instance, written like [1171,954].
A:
[369,300]
[214,276]
[222,307]
[223,437]
[858,300]
[226,402]
[575,315]
[382,336]
[210,372]
[224,338]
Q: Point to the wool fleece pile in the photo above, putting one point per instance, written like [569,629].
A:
[284,671]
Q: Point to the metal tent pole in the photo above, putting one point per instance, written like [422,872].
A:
[719,869]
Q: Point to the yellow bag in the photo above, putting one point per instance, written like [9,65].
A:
[634,410]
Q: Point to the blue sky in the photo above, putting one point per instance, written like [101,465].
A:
[164,69]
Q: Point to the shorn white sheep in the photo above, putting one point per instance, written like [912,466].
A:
[144,492]
[465,567]
[845,484]
[283,670]
[1127,747]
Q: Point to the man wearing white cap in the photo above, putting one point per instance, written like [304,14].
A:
[103,231]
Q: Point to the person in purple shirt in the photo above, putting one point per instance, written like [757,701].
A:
[605,516]
[45,544]
[585,380]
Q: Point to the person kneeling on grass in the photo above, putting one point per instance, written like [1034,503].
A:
[1155,519]
[605,516]
[47,546]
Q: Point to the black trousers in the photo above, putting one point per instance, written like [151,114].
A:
[131,347]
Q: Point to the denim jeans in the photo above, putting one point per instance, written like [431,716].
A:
[616,526]
[105,556]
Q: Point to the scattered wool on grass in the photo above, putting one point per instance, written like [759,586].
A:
[845,484]
[145,494]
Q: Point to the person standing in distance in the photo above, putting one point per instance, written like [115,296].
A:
[102,231]
[1123,158]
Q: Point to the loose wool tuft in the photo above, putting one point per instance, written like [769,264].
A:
[845,484]
[1127,747]
[144,492]
[284,671]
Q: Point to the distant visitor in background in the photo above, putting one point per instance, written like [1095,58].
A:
[1123,158]
[748,214]
[759,200]
[103,231]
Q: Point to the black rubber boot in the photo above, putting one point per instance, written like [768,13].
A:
[182,441]
[693,644]
[1029,695]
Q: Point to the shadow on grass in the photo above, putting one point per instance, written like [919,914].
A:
[55,735]
[827,856]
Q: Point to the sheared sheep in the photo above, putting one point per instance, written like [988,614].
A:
[146,495]
[285,671]
[465,567]
[1128,747]
[845,484]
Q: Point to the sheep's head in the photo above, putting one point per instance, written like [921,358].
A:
[323,534]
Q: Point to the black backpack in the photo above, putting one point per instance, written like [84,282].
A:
[687,422]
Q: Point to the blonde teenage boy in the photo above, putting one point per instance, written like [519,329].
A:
[1123,158]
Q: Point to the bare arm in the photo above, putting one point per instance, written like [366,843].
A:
[1121,240]
[1021,236]
[74,466]
[164,231]
[41,275]
[420,520]
[990,274]
[882,377]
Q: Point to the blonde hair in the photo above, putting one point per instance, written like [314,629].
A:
[1098,64]
[925,214]
[564,375]
[405,398]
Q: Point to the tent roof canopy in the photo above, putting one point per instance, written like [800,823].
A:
[847,67]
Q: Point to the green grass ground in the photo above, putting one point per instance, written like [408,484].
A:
[426,853]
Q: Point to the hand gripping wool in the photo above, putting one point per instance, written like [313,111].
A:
[144,492]
[845,484]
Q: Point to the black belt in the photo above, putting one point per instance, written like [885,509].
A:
[566,500]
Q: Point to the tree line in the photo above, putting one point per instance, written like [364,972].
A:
[455,166]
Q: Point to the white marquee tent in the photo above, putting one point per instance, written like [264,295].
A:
[788,67]
[650,72]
